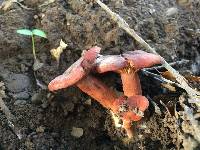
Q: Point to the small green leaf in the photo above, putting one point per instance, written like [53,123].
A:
[25,32]
[39,33]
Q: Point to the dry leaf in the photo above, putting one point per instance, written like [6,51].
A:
[193,78]
[169,87]
[184,3]
[168,75]
[7,4]
[63,44]
[58,51]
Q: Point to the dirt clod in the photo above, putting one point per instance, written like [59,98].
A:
[77,132]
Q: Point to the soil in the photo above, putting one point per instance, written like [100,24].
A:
[45,120]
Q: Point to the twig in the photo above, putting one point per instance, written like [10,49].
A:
[39,83]
[181,62]
[46,3]
[122,24]
[7,4]
[5,110]
[160,78]
[23,6]
[9,116]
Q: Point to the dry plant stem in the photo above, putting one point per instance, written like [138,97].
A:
[5,110]
[160,78]
[10,117]
[23,6]
[122,24]
[181,62]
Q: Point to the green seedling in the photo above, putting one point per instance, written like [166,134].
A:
[33,33]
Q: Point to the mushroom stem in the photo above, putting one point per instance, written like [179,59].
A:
[130,109]
[97,90]
[131,84]
[127,125]
[121,106]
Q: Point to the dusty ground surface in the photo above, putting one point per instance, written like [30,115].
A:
[46,123]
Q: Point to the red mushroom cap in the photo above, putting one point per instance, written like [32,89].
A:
[76,71]
[140,59]
[89,57]
[110,63]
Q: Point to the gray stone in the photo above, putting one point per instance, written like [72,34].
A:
[77,132]
[16,83]
[21,95]
[37,98]
[19,102]
[44,105]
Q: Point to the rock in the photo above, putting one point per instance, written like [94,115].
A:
[171,11]
[16,83]
[37,98]
[40,129]
[22,95]
[19,102]
[23,68]
[77,132]
[44,105]
[88,102]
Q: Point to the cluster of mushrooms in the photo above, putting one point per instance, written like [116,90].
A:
[128,107]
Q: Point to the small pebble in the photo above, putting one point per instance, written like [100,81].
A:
[35,17]
[19,102]
[44,105]
[88,102]
[23,68]
[140,136]
[77,132]
[16,83]
[37,98]
[171,11]
[40,129]
[21,95]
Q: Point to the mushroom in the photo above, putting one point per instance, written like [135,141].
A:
[127,65]
[130,109]
[78,74]
[76,71]
[126,108]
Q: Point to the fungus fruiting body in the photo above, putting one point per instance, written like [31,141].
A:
[76,71]
[128,107]
[128,65]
